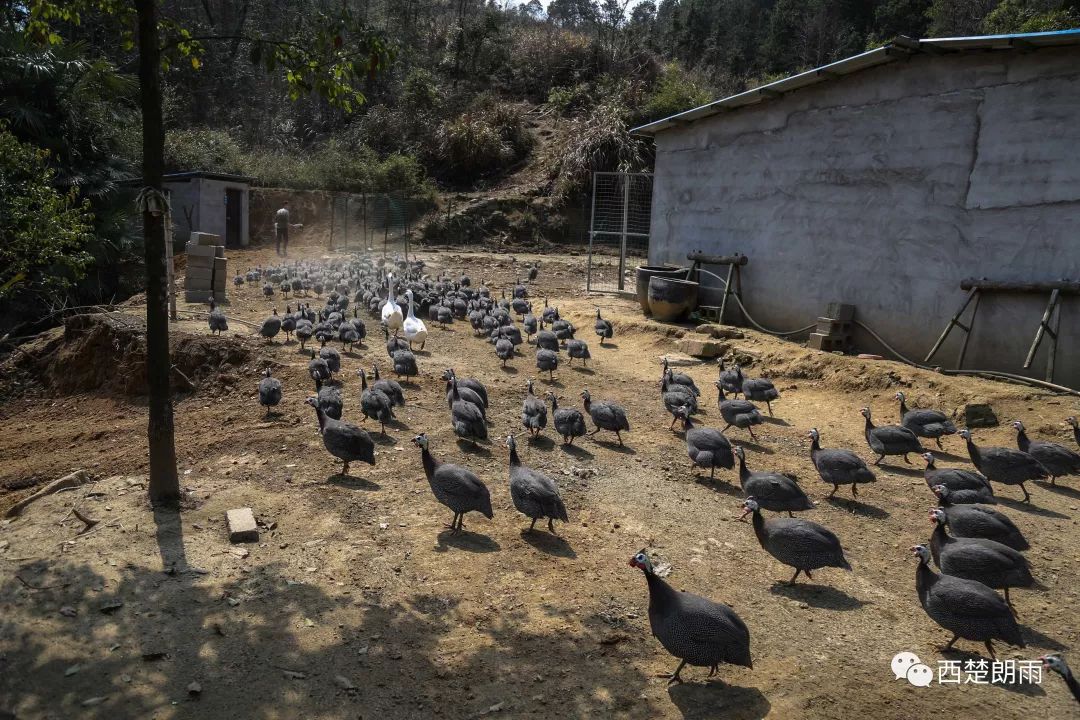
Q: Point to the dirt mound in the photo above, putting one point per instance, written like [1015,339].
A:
[107,352]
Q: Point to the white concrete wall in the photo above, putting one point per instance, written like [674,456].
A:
[184,201]
[885,189]
[212,207]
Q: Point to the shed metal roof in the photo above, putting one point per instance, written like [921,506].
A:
[901,47]
[182,176]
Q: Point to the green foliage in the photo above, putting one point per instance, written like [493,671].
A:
[203,149]
[599,140]
[1022,16]
[675,91]
[44,232]
[482,140]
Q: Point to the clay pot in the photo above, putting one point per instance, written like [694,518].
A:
[671,299]
[646,272]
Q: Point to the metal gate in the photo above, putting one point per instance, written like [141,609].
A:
[374,222]
[618,228]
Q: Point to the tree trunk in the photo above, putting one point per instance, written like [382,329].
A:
[164,484]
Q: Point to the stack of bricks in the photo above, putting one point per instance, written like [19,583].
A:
[205,268]
[833,332]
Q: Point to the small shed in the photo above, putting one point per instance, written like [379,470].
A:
[209,202]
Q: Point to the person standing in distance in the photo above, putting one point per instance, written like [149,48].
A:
[281,229]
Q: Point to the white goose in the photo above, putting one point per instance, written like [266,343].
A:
[391,311]
[415,330]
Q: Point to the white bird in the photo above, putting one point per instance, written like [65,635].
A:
[391,311]
[415,330]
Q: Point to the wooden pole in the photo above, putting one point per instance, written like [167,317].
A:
[953,321]
[1044,326]
[967,333]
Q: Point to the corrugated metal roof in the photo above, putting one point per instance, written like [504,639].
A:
[181,176]
[899,48]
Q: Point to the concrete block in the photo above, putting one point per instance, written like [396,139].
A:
[220,265]
[242,527]
[200,261]
[197,296]
[219,251]
[675,360]
[201,238]
[205,274]
[200,250]
[719,332]
[979,415]
[701,346]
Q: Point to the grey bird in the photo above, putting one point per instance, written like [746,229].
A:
[925,423]
[270,327]
[504,350]
[1004,465]
[757,389]
[216,319]
[606,415]
[730,380]
[318,369]
[696,630]
[979,521]
[1057,459]
[965,486]
[533,412]
[679,378]
[1056,662]
[569,422]
[677,401]
[707,447]
[329,397]
[546,339]
[374,403]
[603,328]
[456,487]
[472,383]
[890,439]
[578,350]
[405,364]
[332,358]
[547,361]
[798,543]
[390,388]
[535,495]
[966,608]
[269,391]
[343,440]
[466,394]
[743,414]
[466,418]
[837,466]
[772,490]
[1075,428]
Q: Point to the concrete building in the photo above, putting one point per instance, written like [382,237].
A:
[213,203]
[883,181]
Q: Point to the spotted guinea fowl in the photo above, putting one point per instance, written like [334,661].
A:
[757,389]
[966,608]
[730,380]
[676,402]
[678,378]
[606,415]
[987,561]
[1057,459]
[1075,428]
[456,487]
[925,423]
[343,440]
[270,327]
[535,495]
[578,350]
[390,388]
[318,369]
[1004,465]
[569,422]
[533,412]
[269,391]
[466,394]
[772,490]
[288,323]
[504,350]
[743,414]
[797,543]
[979,521]
[689,399]
[837,466]
[547,361]
[329,397]
[466,418]
[890,439]
[216,319]
[546,339]
[603,328]
[964,486]
[1056,662]
[472,383]
[696,630]
[374,403]
[707,447]
[405,364]
[332,358]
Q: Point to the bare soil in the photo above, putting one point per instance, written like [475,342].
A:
[356,602]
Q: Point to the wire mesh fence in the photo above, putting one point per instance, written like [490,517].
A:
[375,222]
[618,229]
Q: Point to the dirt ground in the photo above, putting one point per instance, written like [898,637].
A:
[356,602]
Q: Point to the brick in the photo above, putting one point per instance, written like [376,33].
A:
[198,275]
[200,261]
[197,296]
[701,346]
[200,250]
[979,415]
[242,527]
[219,251]
[201,238]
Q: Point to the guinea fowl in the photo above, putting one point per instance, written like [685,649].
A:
[304,331]
[375,404]
[546,339]
[216,319]
[472,383]
[466,418]
[547,361]
[730,380]
[758,389]
[925,423]
[694,629]
[979,521]
[677,402]
[1004,465]
[456,487]
[269,391]
[743,414]
[772,490]
[288,323]
[797,543]
[987,561]
[535,495]
[606,415]
[390,388]
[405,364]
[332,358]
[966,608]
[578,350]
[504,350]
[964,486]
[533,412]
[603,328]
[569,422]
[394,344]
[678,378]
[707,447]
[837,466]
[1055,662]
[318,369]
[466,394]
[890,439]
[1057,459]
[343,440]
[329,398]
[1075,427]
[270,327]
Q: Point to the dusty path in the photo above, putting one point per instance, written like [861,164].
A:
[358,588]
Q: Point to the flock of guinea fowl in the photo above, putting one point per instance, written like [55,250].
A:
[977,548]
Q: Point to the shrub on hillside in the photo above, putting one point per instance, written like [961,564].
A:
[482,140]
[597,141]
[543,57]
[202,149]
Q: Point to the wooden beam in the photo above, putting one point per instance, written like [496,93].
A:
[717,259]
[1068,287]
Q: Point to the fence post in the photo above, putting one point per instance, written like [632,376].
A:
[333,212]
[386,222]
[346,231]
[622,240]
[406,204]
